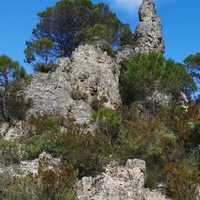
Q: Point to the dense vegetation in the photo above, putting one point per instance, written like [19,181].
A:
[167,137]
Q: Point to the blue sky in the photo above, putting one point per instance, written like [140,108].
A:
[179,18]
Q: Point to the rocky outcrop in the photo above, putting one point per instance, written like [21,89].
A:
[121,182]
[116,183]
[148,34]
[90,75]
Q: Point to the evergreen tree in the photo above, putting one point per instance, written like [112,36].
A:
[10,73]
[150,73]
[69,23]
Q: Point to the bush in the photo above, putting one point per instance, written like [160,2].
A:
[182,181]
[146,137]
[45,123]
[51,183]
[106,47]
[107,122]
[9,152]
[44,137]
[28,79]
[87,153]
[45,67]
[33,147]
[48,142]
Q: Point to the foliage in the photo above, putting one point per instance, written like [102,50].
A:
[53,182]
[106,47]
[33,147]
[45,67]
[148,139]
[45,135]
[150,73]
[45,123]
[69,23]
[192,63]
[93,34]
[127,36]
[40,47]
[182,181]
[9,152]
[87,153]
[107,122]
[10,75]
[157,139]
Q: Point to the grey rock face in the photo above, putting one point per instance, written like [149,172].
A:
[122,182]
[89,74]
[125,53]
[148,33]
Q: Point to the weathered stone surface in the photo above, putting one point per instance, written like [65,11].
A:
[15,130]
[148,34]
[125,53]
[89,74]
[122,182]
[154,194]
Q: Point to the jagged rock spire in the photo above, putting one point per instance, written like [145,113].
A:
[148,33]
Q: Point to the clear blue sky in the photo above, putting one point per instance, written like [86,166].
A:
[180,20]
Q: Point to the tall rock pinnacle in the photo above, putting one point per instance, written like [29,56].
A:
[148,33]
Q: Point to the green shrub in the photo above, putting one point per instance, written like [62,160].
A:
[33,146]
[45,123]
[107,122]
[106,47]
[182,181]
[87,153]
[48,142]
[50,125]
[151,178]
[148,73]
[45,67]
[9,152]
[115,70]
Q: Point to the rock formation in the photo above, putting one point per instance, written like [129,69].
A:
[121,182]
[89,75]
[148,34]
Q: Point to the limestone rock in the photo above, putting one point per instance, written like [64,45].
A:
[125,53]
[154,194]
[15,130]
[122,182]
[148,34]
[89,74]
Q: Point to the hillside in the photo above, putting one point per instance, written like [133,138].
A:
[89,132]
